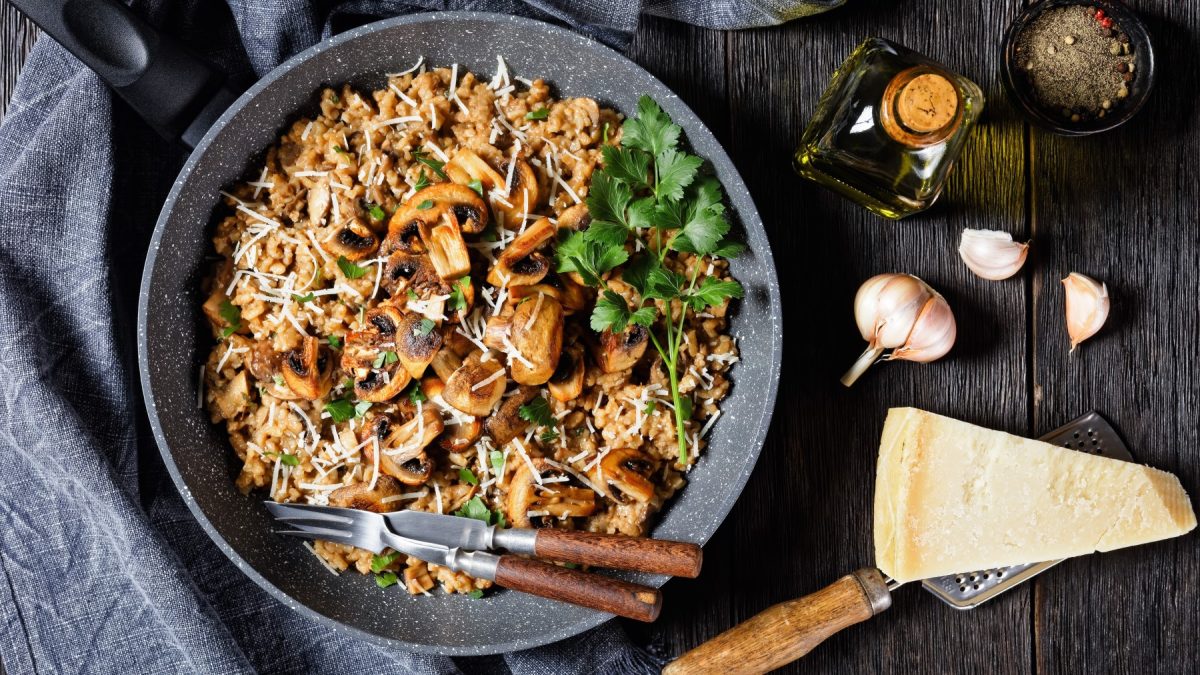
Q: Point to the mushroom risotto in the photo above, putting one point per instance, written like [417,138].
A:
[470,297]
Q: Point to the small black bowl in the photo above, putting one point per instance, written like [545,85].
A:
[1139,88]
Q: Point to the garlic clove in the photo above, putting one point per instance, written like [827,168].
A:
[992,254]
[932,335]
[897,303]
[1087,306]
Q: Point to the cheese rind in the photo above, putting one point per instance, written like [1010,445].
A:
[953,497]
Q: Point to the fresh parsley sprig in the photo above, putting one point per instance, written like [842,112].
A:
[651,190]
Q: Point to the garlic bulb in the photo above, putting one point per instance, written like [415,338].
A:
[1087,306]
[992,254]
[902,313]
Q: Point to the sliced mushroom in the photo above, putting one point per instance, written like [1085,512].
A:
[466,166]
[417,342]
[468,207]
[355,241]
[524,184]
[308,369]
[231,399]
[529,504]
[402,446]
[617,352]
[363,497]
[445,362]
[506,423]
[381,384]
[447,250]
[377,377]
[570,295]
[520,263]
[627,472]
[495,333]
[567,381]
[404,228]
[458,435]
[404,271]
[318,203]
[536,334]
[575,218]
[476,386]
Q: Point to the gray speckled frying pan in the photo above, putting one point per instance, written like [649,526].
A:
[171,344]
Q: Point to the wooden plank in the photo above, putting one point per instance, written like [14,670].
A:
[691,61]
[1121,207]
[805,518]
[16,39]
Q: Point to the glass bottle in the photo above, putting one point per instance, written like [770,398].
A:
[888,129]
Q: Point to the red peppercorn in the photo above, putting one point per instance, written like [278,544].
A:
[1106,22]
[1099,14]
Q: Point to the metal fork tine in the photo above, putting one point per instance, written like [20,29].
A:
[282,511]
[305,534]
[305,521]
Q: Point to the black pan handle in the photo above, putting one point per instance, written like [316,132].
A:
[177,93]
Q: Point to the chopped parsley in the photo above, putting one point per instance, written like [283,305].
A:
[380,562]
[424,327]
[385,358]
[650,406]
[548,436]
[538,412]
[231,314]
[334,341]
[458,295]
[385,579]
[376,211]
[348,268]
[342,410]
[422,182]
[652,191]
[340,150]
[467,476]
[477,186]
[414,393]
[307,297]
[475,594]
[290,460]
[427,204]
[412,295]
[497,459]
[434,165]
[334,97]
[278,380]
[539,114]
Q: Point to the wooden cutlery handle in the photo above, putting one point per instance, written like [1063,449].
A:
[579,588]
[783,633]
[676,558]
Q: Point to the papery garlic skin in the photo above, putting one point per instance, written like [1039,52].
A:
[1087,306]
[902,313]
[992,254]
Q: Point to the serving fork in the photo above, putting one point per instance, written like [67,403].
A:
[372,531]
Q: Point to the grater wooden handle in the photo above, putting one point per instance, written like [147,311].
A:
[783,633]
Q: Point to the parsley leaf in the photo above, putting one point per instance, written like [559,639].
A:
[607,233]
[415,393]
[475,594]
[340,410]
[386,579]
[458,296]
[422,182]
[475,508]
[539,114]
[289,459]
[467,476]
[548,436]
[651,130]
[433,164]
[379,562]
[590,259]
[538,412]
[376,211]
[636,272]
[340,150]
[676,170]
[477,186]
[232,315]
[308,297]
[712,292]
[727,248]
[497,459]
[427,204]
[607,199]
[650,406]
[390,357]
[424,327]
[334,341]
[611,312]
[349,269]
[628,165]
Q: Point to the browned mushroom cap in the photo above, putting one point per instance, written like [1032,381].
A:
[520,263]
[466,166]
[627,473]
[263,361]
[308,369]
[402,446]
[381,384]
[354,240]
[476,386]
[363,497]
[468,207]
[506,423]
[536,334]
[447,249]
[567,381]
[365,355]
[532,505]
[404,228]
[570,295]
[459,434]
[616,352]
[417,341]
[522,190]
[404,271]
[575,218]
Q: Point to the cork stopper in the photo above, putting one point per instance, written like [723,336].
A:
[927,103]
[920,107]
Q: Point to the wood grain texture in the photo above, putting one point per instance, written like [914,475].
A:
[632,601]
[784,632]
[674,558]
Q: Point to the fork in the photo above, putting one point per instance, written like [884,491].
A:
[368,530]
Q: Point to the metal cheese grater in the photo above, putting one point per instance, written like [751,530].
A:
[1090,433]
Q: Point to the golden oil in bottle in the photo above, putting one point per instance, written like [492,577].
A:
[888,129]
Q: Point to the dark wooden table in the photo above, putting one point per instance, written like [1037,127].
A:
[1122,207]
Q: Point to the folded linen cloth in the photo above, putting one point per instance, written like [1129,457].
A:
[102,568]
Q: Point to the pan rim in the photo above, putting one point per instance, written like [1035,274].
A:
[748,218]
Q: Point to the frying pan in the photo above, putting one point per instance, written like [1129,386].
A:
[186,99]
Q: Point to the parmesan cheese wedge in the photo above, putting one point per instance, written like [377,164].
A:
[952,497]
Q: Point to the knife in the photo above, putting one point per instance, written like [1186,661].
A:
[674,558]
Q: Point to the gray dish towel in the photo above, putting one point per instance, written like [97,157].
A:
[102,568]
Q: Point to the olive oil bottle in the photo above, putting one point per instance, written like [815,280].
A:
[888,129]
